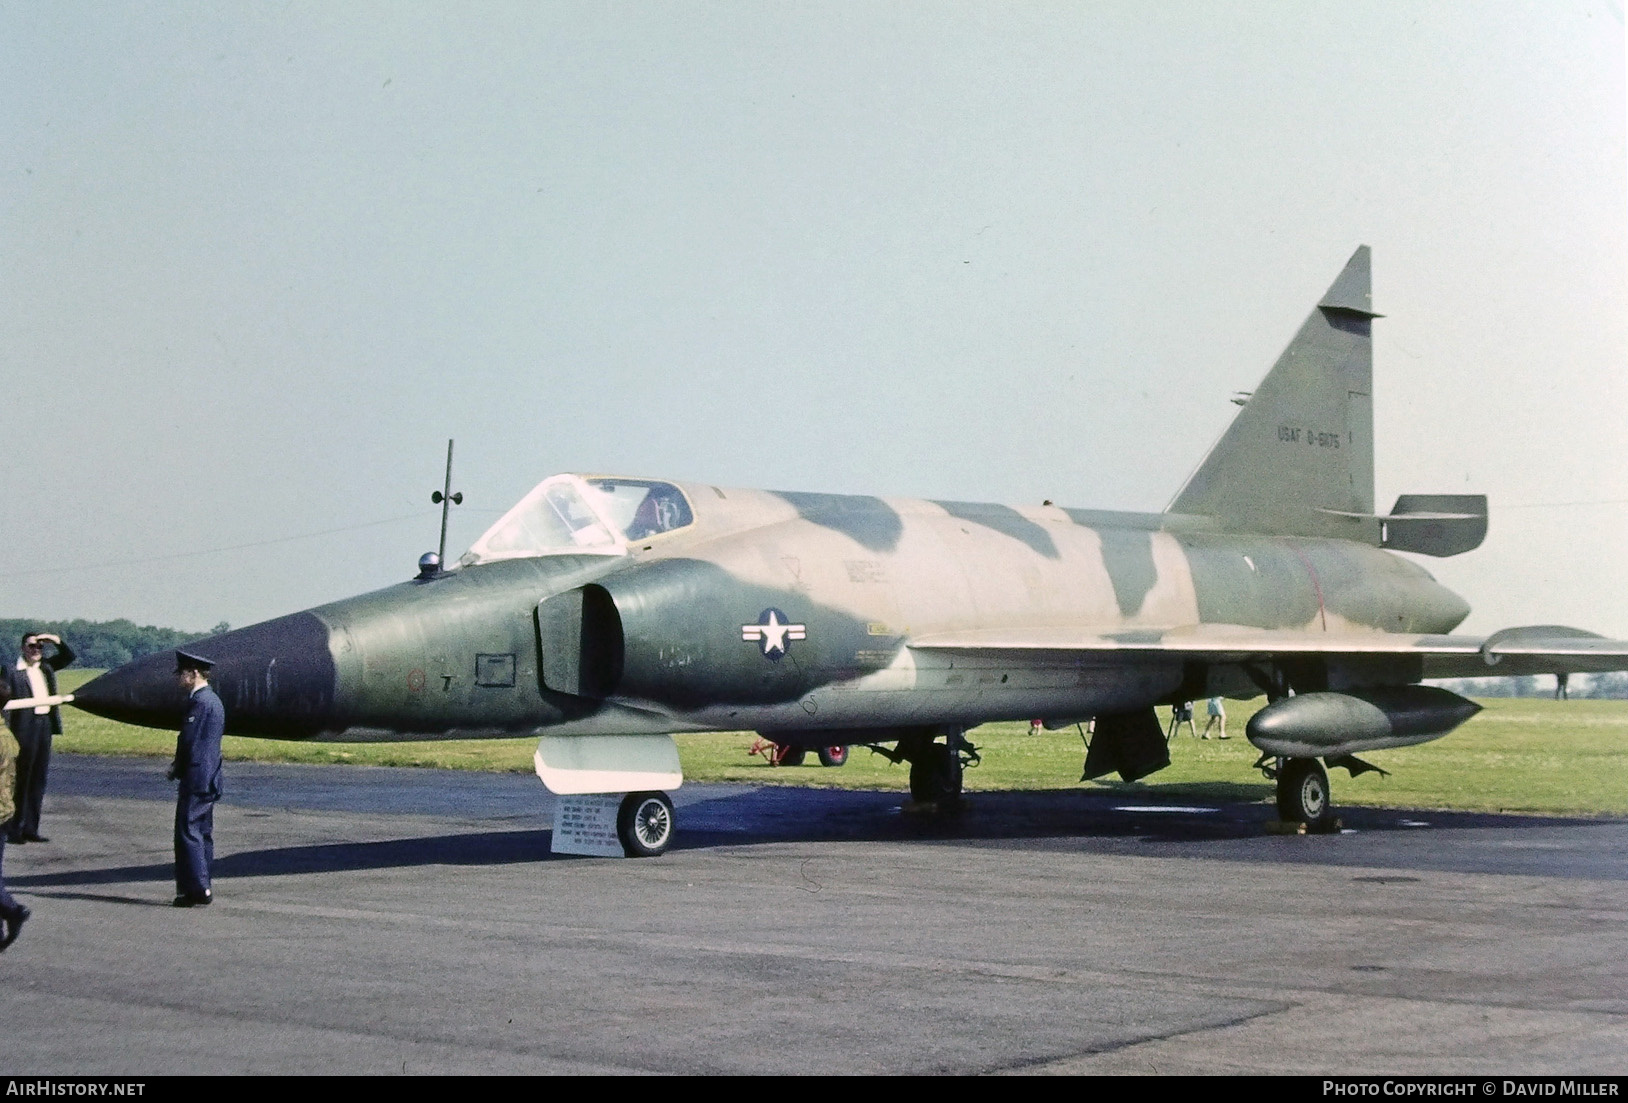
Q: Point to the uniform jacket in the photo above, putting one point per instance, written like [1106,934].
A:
[197,748]
[8,775]
[20,686]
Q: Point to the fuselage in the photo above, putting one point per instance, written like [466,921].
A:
[780,612]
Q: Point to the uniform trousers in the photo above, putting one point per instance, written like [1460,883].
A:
[194,843]
[8,904]
[33,761]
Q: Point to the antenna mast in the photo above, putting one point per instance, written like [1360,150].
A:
[446,499]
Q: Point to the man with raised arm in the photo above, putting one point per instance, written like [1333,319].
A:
[35,676]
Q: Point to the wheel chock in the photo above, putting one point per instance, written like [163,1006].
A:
[1331,826]
[933,807]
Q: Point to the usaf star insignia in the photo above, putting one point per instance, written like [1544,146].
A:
[773,632]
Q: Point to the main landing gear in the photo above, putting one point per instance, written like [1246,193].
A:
[935,768]
[1303,790]
[935,775]
[1303,795]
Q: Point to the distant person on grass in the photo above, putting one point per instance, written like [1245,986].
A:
[1180,713]
[1218,715]
[35,675]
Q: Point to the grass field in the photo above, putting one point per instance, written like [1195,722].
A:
[1520,755]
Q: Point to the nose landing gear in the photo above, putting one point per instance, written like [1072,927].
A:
[645,824]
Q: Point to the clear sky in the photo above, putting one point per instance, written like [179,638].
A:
[259,261]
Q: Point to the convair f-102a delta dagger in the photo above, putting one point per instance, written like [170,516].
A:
[606,613]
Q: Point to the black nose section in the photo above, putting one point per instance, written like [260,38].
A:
[276,678]
[142,691]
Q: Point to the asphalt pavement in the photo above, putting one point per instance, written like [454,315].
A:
[383,920]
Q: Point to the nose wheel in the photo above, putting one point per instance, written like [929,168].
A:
[645,824]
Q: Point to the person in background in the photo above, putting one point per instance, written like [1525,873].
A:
[35,675]
[1180,713]
[12,914]
[1218,715]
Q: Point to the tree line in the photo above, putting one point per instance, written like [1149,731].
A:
[1613,685]
[100,644]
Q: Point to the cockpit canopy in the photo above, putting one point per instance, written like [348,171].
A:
[572,514]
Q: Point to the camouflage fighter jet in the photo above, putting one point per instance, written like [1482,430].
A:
[605,613]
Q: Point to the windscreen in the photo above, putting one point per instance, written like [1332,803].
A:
[567,514]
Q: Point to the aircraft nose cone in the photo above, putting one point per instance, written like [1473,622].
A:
[275,678]
[142,691]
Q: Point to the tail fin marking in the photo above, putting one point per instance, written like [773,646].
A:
[1298,459]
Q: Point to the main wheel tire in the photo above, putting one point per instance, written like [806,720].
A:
[833,756]
[645,824]
[789,756]
[1303,795]
[932,779]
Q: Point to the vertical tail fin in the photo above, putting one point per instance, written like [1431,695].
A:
[1299,459]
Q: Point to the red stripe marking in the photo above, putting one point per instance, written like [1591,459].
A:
[1316,586]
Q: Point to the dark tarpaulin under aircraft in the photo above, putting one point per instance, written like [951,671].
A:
[605,614]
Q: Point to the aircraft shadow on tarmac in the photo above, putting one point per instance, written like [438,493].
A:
[1213,811]
[1104,816]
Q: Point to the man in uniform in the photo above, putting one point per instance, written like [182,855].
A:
[12,914]
[197,769]
[35,675]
